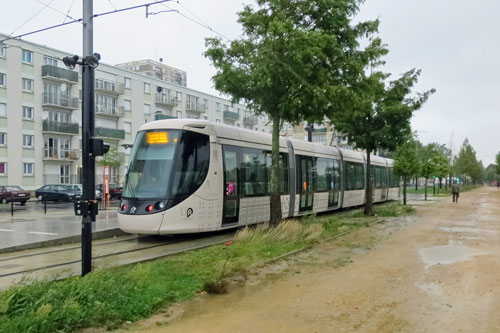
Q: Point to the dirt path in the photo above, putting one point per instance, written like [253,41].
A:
[437,271]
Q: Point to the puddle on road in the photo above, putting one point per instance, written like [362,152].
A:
[466,229]
[431,289]
[447,254]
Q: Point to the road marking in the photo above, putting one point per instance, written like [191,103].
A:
[10,230]
[42,233]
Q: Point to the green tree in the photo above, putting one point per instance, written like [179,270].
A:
[430,159]
[111,158]
[466,163]
[406,163]
[380,116]
[294,62]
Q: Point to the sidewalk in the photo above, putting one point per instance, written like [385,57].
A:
[31,228]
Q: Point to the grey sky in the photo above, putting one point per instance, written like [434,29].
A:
[453,42]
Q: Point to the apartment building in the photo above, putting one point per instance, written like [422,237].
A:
[157,70]
[320,133]
[40,113]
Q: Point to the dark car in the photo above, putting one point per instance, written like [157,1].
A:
[14,193]
[57,192]
[115,191]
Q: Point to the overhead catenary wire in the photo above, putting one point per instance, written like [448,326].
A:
[199,22]
[69,9]
[32,17]
[80,19]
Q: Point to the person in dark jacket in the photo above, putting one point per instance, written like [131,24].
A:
[455,190]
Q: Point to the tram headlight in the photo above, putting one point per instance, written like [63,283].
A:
[161,205]
[149,208]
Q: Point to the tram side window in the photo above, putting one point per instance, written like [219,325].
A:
[283,162]
[393,178]
[254,172]
[192,163]
[377,171]
[354,176]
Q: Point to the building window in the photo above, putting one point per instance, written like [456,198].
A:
[217,121]
[3,110]
[3,139]
[3,49]
[3,80]
[127,105]
[64,174]
[179,114]
[27,56]
[127,82]
[178,96]
[127,126]
[217,107]
[3,168]
[28,169]
[147,109]
[28,141]
[147,88]
[50,61]
[27,112]
[28,85]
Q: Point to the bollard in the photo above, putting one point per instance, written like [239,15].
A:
[44,205]
[12,206]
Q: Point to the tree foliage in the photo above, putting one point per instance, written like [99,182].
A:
[467,164]
[379,117]
[406,163]
[296,61]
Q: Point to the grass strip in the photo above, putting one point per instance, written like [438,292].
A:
[109,297]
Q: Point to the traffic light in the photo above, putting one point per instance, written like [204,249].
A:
[99,148]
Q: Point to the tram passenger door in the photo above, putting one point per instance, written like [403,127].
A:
[231,204]
[306,183]
[334,183]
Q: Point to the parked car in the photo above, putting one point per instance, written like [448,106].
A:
[58,192]
[115,190]
[79,187]
[14,193]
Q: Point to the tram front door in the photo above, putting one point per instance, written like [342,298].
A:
[231,206]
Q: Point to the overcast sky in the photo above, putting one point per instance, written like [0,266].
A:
[455,43]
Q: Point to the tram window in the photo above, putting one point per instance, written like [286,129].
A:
[354,176]
[320,175]
[254,172]
[377,175]
[192,161]
[283,163]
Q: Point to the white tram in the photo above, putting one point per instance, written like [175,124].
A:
[190,176]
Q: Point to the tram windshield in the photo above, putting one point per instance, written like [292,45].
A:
[167,164]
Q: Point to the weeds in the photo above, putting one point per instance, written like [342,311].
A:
[109,297]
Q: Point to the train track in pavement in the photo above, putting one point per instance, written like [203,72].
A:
[63,261]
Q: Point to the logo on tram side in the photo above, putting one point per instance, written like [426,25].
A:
[189,212]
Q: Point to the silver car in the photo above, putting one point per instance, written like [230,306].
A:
[79,187]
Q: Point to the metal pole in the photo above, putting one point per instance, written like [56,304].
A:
[88,160]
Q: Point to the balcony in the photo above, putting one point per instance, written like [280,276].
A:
[196,108]
[231,115]
[250,120]
[319,130]
[52,154]
[59,127]
[160,116]
[166,100]
[109,87]
[109,110]
[59,74]
[60,100]
[110,133]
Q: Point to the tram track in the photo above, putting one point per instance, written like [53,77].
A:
[61,263]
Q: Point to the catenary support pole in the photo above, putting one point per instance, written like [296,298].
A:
[88,159]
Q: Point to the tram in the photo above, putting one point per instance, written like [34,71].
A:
[188,176]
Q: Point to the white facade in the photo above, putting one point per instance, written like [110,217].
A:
[40,113]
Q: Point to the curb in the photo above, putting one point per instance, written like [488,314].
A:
[65,240]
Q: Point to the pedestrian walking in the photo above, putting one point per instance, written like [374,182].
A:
[455,190]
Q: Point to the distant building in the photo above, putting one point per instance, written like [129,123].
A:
[320,133]
[40,112]
[157,70]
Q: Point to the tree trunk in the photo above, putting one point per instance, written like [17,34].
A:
[368,192]
[275,174]
[425,189]
[416,183]
[404,190]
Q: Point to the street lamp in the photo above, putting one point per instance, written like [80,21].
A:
[91,60]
